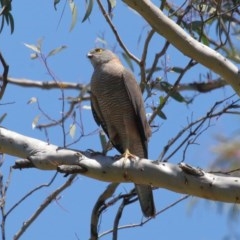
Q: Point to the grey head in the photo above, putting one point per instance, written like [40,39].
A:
[99,56]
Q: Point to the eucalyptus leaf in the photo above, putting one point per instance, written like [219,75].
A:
[35,121]
[11,21]
[161,114]
[56,50]
[103,139]
[168,88]
[32,47]
[3,117]
[177,69]
[56,2]
[72,130]
[89,10]
[32,100]
[111,5]
[73,8]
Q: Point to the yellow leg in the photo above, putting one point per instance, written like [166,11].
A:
[129,155]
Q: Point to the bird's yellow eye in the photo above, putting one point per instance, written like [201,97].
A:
[98,50]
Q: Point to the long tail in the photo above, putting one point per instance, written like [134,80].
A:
[145,196]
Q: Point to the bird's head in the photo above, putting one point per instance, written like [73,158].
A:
[99,56]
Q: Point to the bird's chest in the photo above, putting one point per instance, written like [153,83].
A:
[113,99]
[110,90]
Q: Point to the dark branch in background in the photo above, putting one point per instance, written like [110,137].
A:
[30,193]
[99,207]
[198,126]
[72,103]
[4,76]
[3,194]
[43,206]
[157,109]
[143,59]
[156,59]
[44,59]
[119,40]
[142,223]
[127,199]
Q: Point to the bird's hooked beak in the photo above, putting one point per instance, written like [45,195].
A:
[89,55]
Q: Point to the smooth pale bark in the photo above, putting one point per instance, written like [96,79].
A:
[185,43]
[180,178]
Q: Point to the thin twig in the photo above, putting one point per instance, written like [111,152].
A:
[123,46]
[147,220]
[30,193]
[43,206]
[209,115]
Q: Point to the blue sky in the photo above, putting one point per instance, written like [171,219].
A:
[69,216]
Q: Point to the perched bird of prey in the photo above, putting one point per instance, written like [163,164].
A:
[118,107]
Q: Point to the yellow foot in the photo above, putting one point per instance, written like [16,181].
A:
[129,155]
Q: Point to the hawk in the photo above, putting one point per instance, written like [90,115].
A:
[117,106]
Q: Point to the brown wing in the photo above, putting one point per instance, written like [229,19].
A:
[97,114]
[135,96]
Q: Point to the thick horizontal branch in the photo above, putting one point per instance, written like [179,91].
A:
[35,152]
[187,44]
[180,178]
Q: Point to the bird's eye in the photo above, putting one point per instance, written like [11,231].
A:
[98,50]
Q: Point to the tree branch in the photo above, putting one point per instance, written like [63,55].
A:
[23,82]
[180,178]
[185,43]
[47,201]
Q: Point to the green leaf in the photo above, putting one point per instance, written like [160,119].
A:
[11,21]
[103,139]
[2,25]
[56,2]
[88,11]
[33,47]
[177,69]
[177,96]
[156,69]
[204,40]
[128,61]
[74,12]
[195,25]
[161,99]
[167,87]
[161,114]
[2,117]
[56,50]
